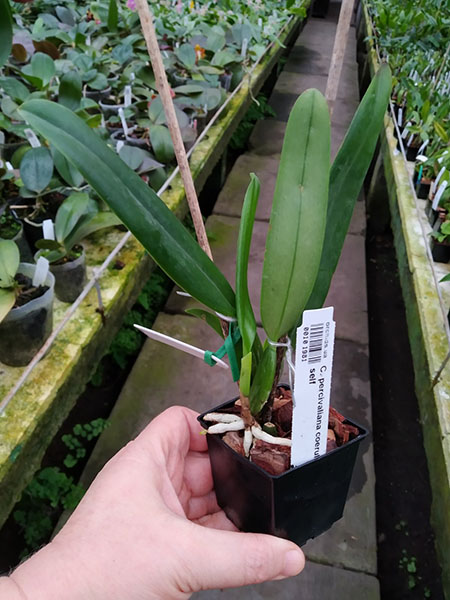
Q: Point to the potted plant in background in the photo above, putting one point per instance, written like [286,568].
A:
[312,211]
[77,217]
[26,307]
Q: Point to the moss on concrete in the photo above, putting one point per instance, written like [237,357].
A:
[426,326]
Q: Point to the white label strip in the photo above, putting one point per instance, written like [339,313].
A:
[313,371]
[436,181]
[244,47]
[178,344]
[400,117]
[32,138]
[127,96]
[438,195]
[48,229]
[123,121]
[41,271]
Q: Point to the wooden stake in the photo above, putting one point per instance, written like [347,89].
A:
[162,84]
[340,43]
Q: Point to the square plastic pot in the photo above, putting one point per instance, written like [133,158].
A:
[299,504]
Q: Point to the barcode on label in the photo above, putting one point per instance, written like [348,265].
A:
[315,347]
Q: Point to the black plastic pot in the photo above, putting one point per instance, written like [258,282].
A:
[440,251]
[411,153]
[299,504]
[70,278]
[423,189]
[25,329]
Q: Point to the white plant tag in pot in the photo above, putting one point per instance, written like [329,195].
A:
[48,229]
[32,138]
[41,271]
[311,397]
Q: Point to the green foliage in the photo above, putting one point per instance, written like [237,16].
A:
[9,263]
[347,176]
[138,207]
[49,491]
[36,169]
[259,109]
[75,441]
[6,32]
[298,218]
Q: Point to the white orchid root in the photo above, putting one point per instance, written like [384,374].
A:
[224,427]
[259,434]
[221,417]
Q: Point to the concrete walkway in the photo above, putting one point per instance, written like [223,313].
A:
[342,562]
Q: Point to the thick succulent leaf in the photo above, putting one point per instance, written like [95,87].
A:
[113,15]
[6,31]
[297,223]
[36,169]
[161,143]
[244,310]
[212,320]
[7,300]
[9,262]
[67,171]
[137,205]
[263,379]
[91,224]
[69,213]
[347,176]
[70,92]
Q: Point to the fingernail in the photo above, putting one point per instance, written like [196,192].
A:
[293,563]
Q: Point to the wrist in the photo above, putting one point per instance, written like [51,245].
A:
[10,590]
[47,575]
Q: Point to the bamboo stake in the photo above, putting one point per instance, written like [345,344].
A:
[340,43]
[162,84]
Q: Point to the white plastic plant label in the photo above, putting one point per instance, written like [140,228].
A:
[400,117]
[41,271]
[32,138]
[48,229]
[436,181]
[313,371]
[244,47]
[438,195]
[127,96]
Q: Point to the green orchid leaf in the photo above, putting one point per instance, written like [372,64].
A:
[347,176]
[14,88]
[36,168]
[263,379]
[297,223]
[244,310]
[113,15]
[69,214]
[137,205]
[70,92]
[47,244]
[212,320]
[91,224]
[43,67]
[6,31]
[9,262]
[7,301]
[161,143]
[66,170]
[186,54]
[132,156]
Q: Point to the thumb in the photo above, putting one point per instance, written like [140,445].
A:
[229,559]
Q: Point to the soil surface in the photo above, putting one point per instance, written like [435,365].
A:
[407,562]
[28,291]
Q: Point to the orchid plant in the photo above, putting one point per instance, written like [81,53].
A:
[312,207]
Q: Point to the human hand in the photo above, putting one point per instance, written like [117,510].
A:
[149,527]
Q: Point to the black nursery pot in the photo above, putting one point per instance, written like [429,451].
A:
[299,504]
[440,251]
